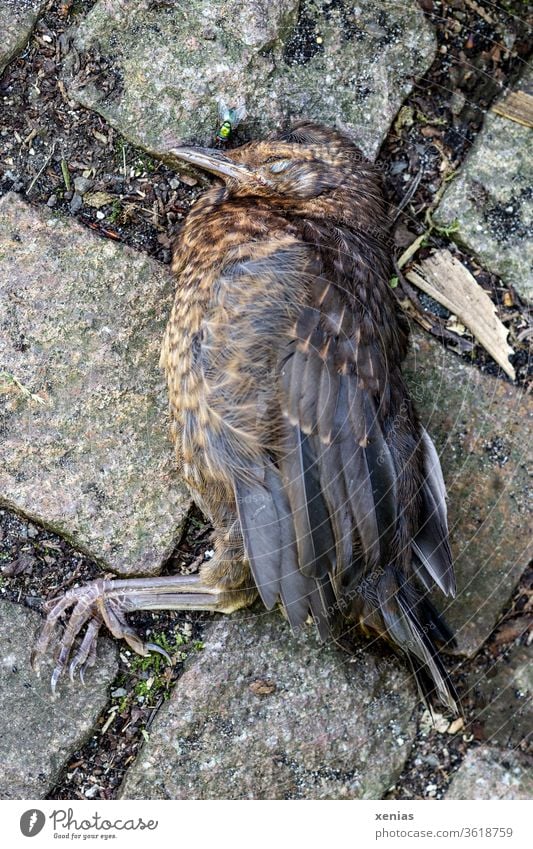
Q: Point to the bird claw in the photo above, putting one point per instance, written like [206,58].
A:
[91,606]
[157,648]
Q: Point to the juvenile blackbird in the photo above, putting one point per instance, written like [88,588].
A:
[293,426]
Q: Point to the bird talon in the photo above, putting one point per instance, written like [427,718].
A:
[56,674]
[91,606]
[156,648]
[87,612]
[87,649]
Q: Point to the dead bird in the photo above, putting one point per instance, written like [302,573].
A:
[292,422]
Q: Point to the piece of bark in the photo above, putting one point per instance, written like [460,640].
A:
[517,106]
[447,280]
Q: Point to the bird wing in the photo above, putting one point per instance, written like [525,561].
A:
[319,510]
[270,543]
[295,400]
[363,477]
[336,464]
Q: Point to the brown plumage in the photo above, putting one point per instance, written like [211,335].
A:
[293,426]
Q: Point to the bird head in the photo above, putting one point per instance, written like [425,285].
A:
[305,163]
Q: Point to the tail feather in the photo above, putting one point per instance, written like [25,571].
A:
[414,625]
[431,549]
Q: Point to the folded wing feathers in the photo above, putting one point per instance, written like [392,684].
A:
[352,443]
[314,537]
[334,489]
[332,505]
[298,593]
[264,516]
[430,545]
[260,522]
[434,478]
[383,477]
[336,461]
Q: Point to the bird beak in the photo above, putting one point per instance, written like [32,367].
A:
[212,161]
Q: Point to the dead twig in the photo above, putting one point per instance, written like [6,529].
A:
[32,184]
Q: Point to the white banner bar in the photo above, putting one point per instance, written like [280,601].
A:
[269,824]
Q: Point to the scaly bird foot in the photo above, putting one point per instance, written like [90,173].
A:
[92,605]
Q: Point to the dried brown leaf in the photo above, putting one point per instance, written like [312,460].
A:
[98,199]
[100,136]
[511,629]
[262,687]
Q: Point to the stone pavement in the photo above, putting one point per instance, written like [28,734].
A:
[265,714]
[85,448]
[17,19]
[488,773]
[504,696]
[40,730]
[282,59]
[491,198]
[260,713]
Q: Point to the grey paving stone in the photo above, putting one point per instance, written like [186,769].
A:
[504,698]
[83,407]
[161,67]
[265,714]
[488,773]
[481,426]
[17,19]
[492,201]
[38,730]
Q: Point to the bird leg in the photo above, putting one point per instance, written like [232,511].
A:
[107,601]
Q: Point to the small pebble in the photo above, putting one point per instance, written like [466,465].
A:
[51,202]
[76,203]
[82,185]
[456,725]
[91,792]
[189,181]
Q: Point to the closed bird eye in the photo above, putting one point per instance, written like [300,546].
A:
[279,166]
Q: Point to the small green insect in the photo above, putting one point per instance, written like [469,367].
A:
[230,118]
